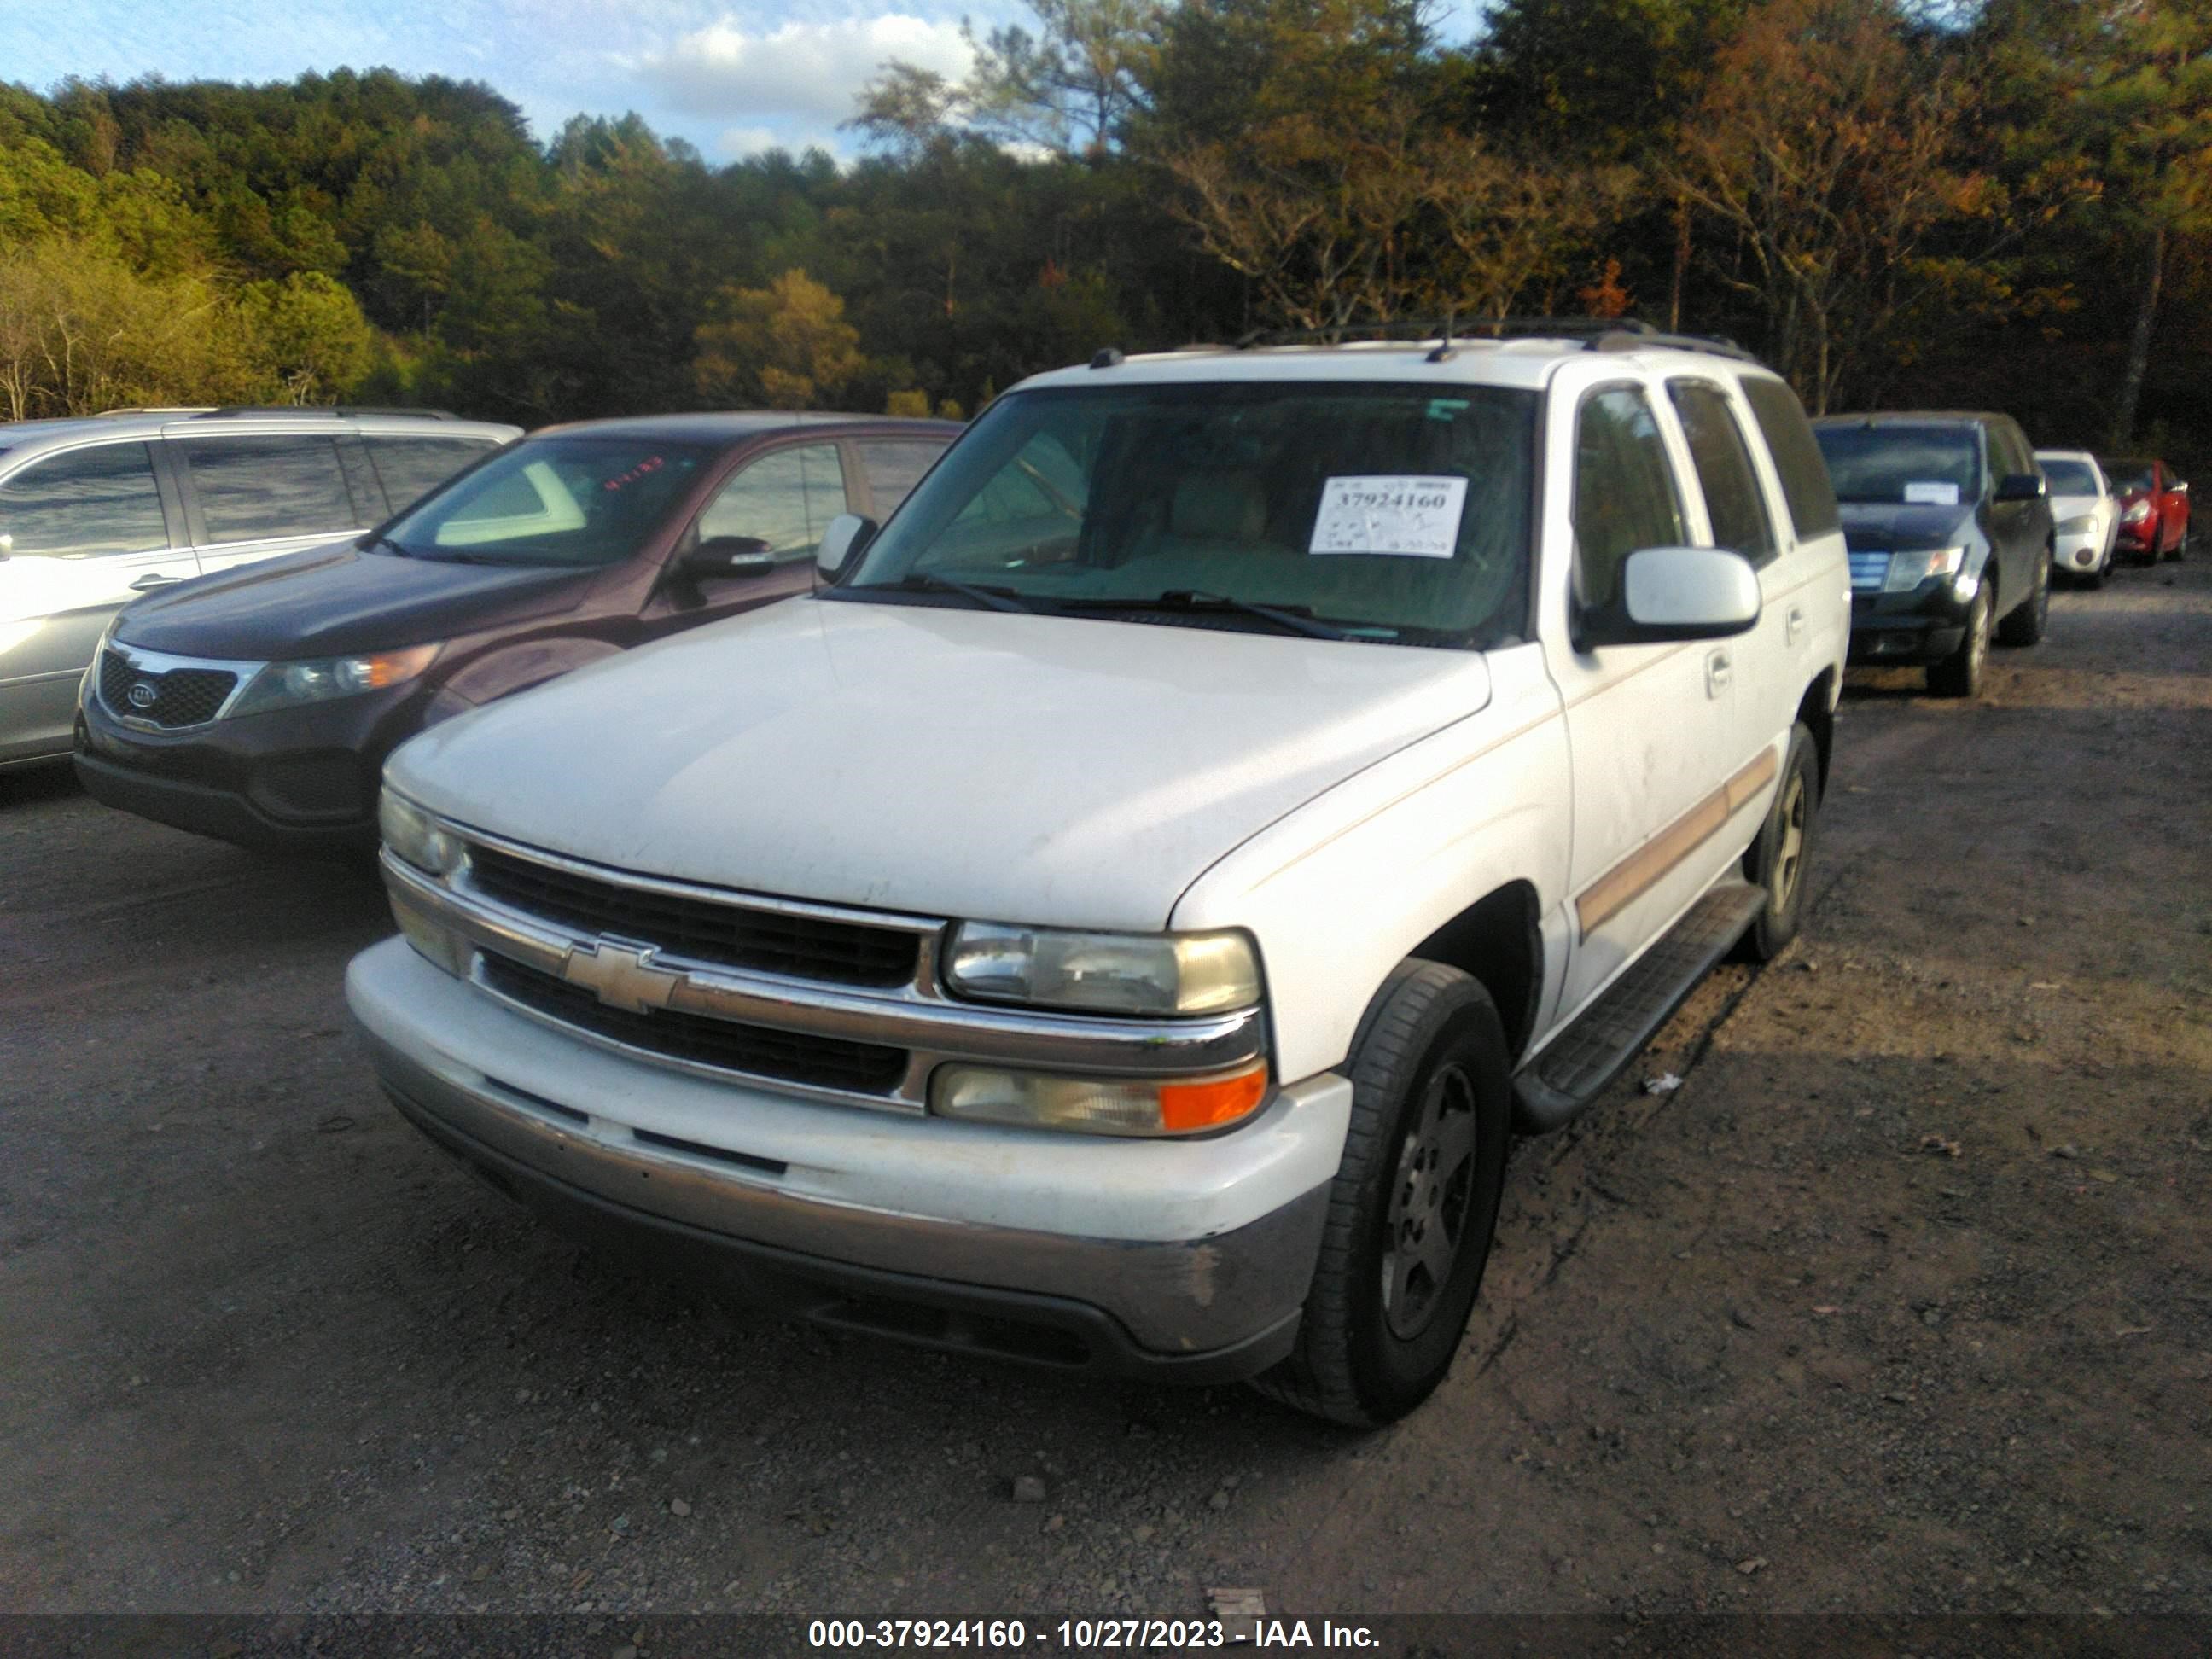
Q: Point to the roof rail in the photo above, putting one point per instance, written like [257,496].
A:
[160,408]
[1596,334]
[342,411]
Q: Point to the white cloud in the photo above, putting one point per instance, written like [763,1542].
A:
[737,143]
[813,71]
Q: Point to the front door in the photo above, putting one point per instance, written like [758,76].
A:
[1650,728]
[85,534]
[785,497]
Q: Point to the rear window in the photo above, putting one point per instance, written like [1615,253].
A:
[1734,500]
[410,468]
[1805,486]
[894,467]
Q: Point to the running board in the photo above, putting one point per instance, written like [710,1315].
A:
[1594,1050]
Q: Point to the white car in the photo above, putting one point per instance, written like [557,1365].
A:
[2086,512]
[1117,922]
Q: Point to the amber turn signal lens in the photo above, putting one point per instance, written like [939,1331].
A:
[1187,1106]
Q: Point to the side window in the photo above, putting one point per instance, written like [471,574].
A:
[88,501]
[250,488]
[410,468]
[787,498]
[1625,494]
[1734,500]
[894,468]
[1796,455]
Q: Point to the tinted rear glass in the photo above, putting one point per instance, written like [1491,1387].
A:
[1805,484]
[85,502]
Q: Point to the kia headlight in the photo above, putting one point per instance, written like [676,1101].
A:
[2079,526]
[413,836]
[320,679]
[1908,570]
[2136,512]
[1164,974]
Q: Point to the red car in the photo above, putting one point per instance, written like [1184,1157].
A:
[2154,509]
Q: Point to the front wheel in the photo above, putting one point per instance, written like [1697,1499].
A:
[1778,859]
[2031,619]
[1960,674]
[1414,1205]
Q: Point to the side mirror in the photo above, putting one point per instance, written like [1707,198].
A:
[848,532]
[719,558]
[2022,487]
[2180,487]
[1673,594]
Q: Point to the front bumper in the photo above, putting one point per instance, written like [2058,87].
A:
[1921,626]
[295,780]
[1185,1260]
[2079,554]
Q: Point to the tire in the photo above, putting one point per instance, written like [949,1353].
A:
[1779,859]
[2030,619]
[1426,1150]
[1960,674]
[2181,546]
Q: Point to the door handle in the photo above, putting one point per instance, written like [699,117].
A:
[1793,624]
[1716,673]
[147,583]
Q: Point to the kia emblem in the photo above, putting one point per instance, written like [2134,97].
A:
[144,695]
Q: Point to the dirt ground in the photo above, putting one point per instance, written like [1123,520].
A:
[1902,1302]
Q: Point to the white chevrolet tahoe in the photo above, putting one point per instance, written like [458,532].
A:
[1118,921]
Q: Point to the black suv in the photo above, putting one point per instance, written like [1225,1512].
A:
[1948,519]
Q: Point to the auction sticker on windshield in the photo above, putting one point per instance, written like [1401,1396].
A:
[1931,495]
[1407,516]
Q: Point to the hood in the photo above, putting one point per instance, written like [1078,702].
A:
[954,762]
[2072,507]
[330,601]
[1887,525]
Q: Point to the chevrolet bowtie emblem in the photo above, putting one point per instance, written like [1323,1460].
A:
[622,975]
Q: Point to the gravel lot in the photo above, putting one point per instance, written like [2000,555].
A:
[1901,1303]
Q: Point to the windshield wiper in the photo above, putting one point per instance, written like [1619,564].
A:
[929,581]
[1189,602]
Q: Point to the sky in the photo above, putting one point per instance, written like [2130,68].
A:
[733,80]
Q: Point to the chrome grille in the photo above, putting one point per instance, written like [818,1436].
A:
[749,1050]
[796,946]
[1869,569]
[176,697]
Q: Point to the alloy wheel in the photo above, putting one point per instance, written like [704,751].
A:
[1429,1202]
[1789,857]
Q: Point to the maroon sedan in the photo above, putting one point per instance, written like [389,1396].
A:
[258,705]
[2154,509]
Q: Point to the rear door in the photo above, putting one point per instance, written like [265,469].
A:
[251,495]
[91,529]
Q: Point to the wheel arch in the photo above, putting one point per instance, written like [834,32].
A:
[1498,942]
[1816,711]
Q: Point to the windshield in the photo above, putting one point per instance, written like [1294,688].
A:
[2071,477]
[1934,465]
[575,502]
[2129,475]
[1390,511]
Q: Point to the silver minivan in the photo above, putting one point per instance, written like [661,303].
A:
[97,511]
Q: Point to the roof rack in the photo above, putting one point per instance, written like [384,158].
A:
[342,411]
[1596,334]
[160,408]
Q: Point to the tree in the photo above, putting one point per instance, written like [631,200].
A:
[785,346]
[1822,147]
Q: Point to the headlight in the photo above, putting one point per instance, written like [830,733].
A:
[415,836]
[1908,570]
[2136,512]
[1103,973]
[2077,527]
[1098,1106]
[287,684]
